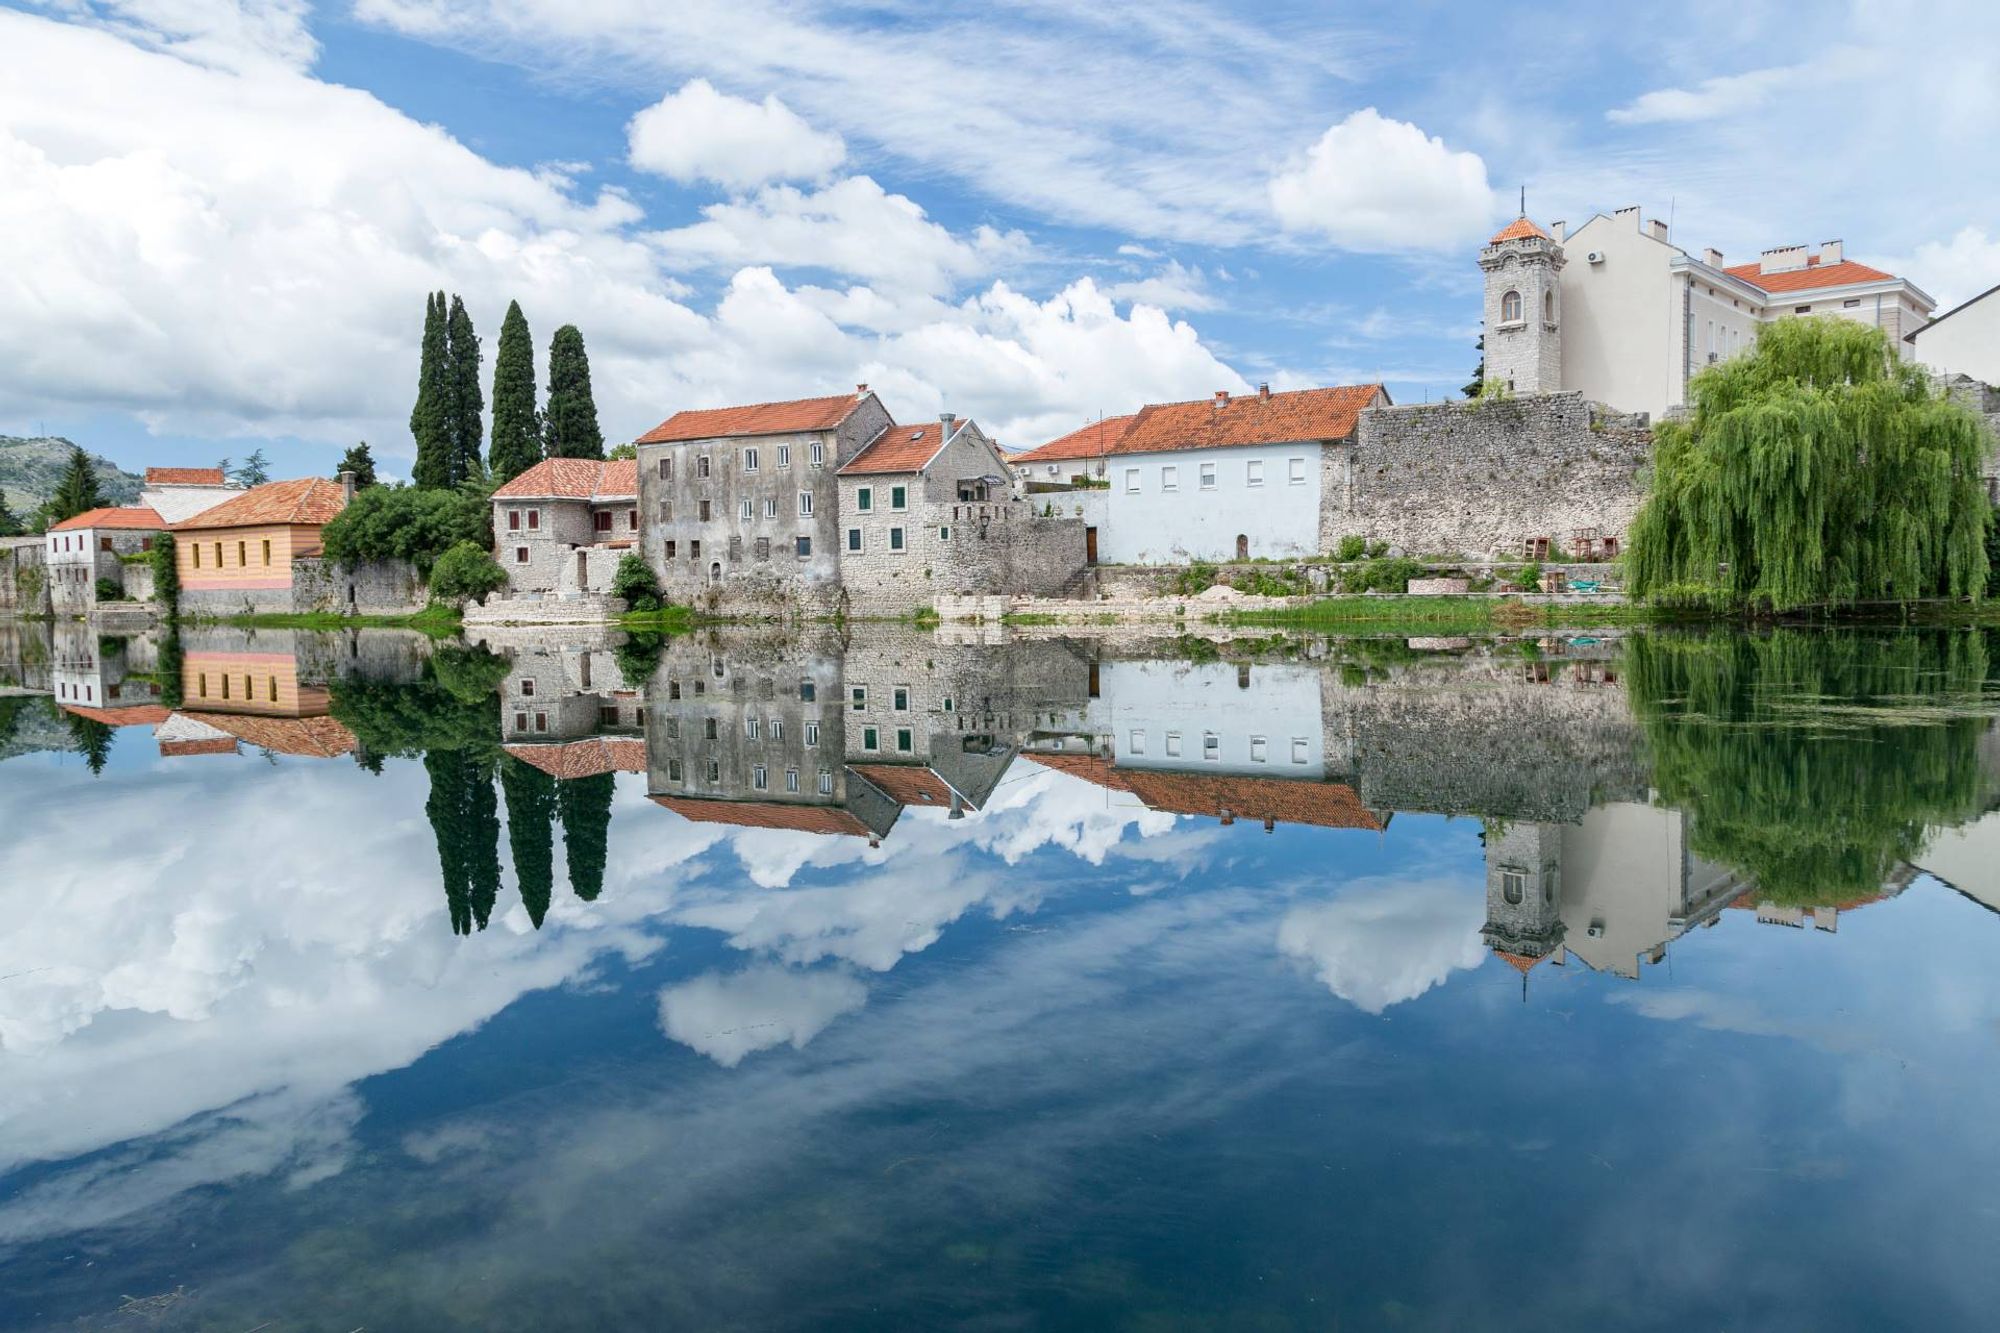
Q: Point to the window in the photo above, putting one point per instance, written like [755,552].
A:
[1851,303]
[747,510]
[871,739]
[513,520]
[805,548]
[225,684]
[1211,747]
[826,782]
[899,699]
[607,716]
[906,740]
[541,722]
[899,497]
[1173,744]
[708,729]
[694,549]
[771,507]
[1296,471]
[1514,885]
[666,511]
[666,469]
[1131,481]
[792,780]
[1510,308]
[669,548]
[520,555]
[757,778]
[534,520]
[601,520]
[864,499]
[1301,750]
[520,721]
[805,504]
[944,534]
[812,735]
[528,689]
[145,543]
[1549,306]
[632,519]
[1253,472]
[1801,310]
[703,510]
[763,548]
[714,770]
[1259,751]
[752,727]
[1170,478]
[196,548]
[895,539]
[784,455]
[818,454]
[777,728]
[674,692]
[808,692]
[201,684]
[701,466]
[242,555]
[854,539]
[858,697]
[750,460]
[675,773]
[1136,743]
[1208,476]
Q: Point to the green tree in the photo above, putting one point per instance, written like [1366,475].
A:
[627,450]
[10,526]
[1478,382]
[531,814]
[633,581]
[92,740]
[408,523]
[570,426]
[1817,471]
[466,572]
[465,819]
[585,804]
[77,492]
[361,463]
[466,400]
[256,469]
[430,419]
[517,422]
[166,575]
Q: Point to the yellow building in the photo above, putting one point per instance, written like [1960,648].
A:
[240,553]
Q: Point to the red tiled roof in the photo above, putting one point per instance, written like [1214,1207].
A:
[1519,229]
[897,449]
[575,479]
[799,414]
[1089,767]
[907,784]
[134,517]
[307,737]
[1323,804]
[585,758]
[137,715]
[1280,418]
[1812,277]
[185,476]
[214,745]
[1516,961]
[1098,438]
[308,501]
[825,819]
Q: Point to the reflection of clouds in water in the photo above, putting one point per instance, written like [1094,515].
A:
[727,1017]
[1386,941]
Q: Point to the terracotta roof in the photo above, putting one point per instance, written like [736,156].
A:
[1810,278]
[897,449]
[584,758]
[907,784]
[1279,418]
[217,745]
[1520,229]
[143,520]
[137,715]
[1253,800]
[825,819]
[575,479]
[309,501]
[1098,438]
[185,476]
[799,414]
[1516,961]
[1089,767]
[308,737]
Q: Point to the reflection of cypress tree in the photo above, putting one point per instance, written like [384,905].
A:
[1815,763]
[93,740]
[465,817]
[586,818]
[531,814]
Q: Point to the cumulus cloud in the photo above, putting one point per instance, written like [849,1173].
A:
[1174,286]
[1958,269]
[700,134]
[728,1017]
[1383,943]
[1375,184]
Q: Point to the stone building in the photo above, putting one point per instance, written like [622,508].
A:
[1523,269]
[85,549]
[238,557]
[929,511]
[561,527]
[567,709]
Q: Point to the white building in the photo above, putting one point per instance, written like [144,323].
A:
[1228,478]
[1964,340]
[82,550]
[177,494]
[1618,312]
[1081,453]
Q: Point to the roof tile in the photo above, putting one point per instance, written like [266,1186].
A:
[1812,277]
[798,414]
[1091,441]
[575,479]
[1279,418]
[908,784]
[1323,804]
[822,819]
[307,737]
[1520,229]
[585,758]
[185,476]
[897,449]
[131,516]
[306,501]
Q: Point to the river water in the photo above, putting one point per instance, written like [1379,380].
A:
[887,978]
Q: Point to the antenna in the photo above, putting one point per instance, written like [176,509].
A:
[1671,200]
[1524,201]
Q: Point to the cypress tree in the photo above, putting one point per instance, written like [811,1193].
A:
[586,818]
[517,424]
[77,492]
[1478,383]
[531,813]
[465,819]
[570,426]
[10,525]
[430,418]
[465,400]
[92,740]
[1815,471]
[361,463]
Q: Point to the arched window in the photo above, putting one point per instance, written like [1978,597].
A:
[1510,308]
[1549,306]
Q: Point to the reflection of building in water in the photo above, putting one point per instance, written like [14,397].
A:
[1821,916]
[1968,859]
[112,675]
[269,689]
[566,709]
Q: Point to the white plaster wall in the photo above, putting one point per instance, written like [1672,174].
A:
[175,504]
[1624,866]
[1968,859]
[1146,703]
[1966,344]
[1621,318]
[1155,526]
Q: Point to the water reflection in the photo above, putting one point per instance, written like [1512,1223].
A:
[1093,898]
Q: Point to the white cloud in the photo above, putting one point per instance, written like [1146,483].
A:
[1175,286]
[1375,184]
[700,134]
[853,227]
[1385,942]
[728,1017]
[1955,270]
[1725,95]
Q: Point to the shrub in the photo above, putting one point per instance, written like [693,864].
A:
[1381,575]
[1196,579]
[466,571]
[635,584]
[109,590]
[1352,547]
[408,523]
[1529,576]
[1376,550]
[166,575]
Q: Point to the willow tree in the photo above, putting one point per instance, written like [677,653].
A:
[1817,471]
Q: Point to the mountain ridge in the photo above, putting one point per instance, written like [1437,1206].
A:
[31,466]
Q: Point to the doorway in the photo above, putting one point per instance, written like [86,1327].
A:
[715,572]
[1090,546]
[1242,546]
[582,571]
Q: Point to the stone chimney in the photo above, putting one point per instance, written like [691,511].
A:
[1712,257]
[1559,230]
[1222,397]
[860,391]
[1829,252]
[1270,824]
[1657,229]
[1264,390]
[347,487]
[945,423]
[1228,816]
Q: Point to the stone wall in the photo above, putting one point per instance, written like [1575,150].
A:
[1476,478]
[24,579]
[138,579]
[370,588]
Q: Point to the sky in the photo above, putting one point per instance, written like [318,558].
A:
[219,217]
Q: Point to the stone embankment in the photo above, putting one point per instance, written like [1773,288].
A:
[530,610]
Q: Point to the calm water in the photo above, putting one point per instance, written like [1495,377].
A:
[759,982]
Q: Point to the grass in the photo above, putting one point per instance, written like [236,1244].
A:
[437,621]
[1433,614]
[665,618]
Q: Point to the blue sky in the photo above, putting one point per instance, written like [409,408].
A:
[221,217]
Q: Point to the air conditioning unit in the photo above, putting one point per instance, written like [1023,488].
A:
[1594,257]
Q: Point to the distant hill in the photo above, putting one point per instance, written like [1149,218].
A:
[31,467]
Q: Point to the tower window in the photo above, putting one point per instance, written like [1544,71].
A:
[1549,307]
[1513,885]
[1510,308]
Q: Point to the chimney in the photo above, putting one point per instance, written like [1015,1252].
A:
[1559,230]
[1629,212]
[1222,397]
[1829,252]
[945,420]
[347,487]
[1270,823]
[860,391]
[1712,257]
[1228,816]
[1657,229]
[1264,390]
[1782,259]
